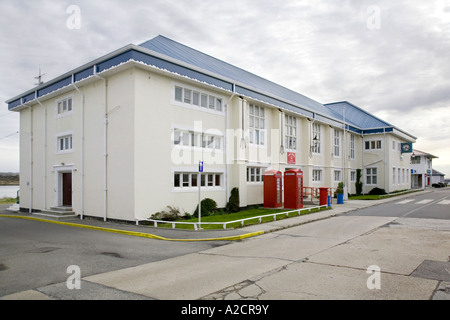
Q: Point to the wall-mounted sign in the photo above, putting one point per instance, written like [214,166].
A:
[407,147]
[291,158]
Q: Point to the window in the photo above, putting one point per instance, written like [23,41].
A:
[415,160]
[352,146]
[291,132]
[373,145]
[65,106]
[337,143]
[316,138]
[337,175]
[196,98]
[194,139]
[371,176]
[393,175]
[255,174]
[257,125]
[189,180]
[64,143]
[317,175]
[403,175]
[353,176]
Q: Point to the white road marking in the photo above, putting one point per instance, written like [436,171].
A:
[405,201]
[444,202]
[425,201]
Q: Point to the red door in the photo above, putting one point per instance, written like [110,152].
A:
[67,189]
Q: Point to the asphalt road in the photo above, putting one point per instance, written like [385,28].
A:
[36,254]
[407,237]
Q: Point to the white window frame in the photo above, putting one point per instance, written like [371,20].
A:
[317,175]
[353,176]
[337,143]
[257,125]
[291,132]
[255,175]
[370,173]
[208,180]
[373,145]
[191,139]
[316,147]
[352,146]
[64,107]
[66,138]
[337,175]
[394,174]
[186,96]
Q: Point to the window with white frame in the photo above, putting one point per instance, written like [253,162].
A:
[371,176]
[373,145]
[64,106]
[196,98]
[403,175]
[337,175]
[393,175]
[255,174]
[316,138]
[188,138]
[291,132]
[64,143]
[353,176]
[189,180]
[257,125]
[317,175]
[337,143]
[352,146]
[398,176]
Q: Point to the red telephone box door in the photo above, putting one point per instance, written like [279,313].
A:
[272,189]
[293,189]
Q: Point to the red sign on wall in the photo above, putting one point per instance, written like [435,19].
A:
[291,158]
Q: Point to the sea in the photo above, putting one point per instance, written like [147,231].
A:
[8,191]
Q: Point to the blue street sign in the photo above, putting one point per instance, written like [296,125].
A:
[200,166]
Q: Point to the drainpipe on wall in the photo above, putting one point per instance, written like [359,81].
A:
[82,150]
[45,152]
[227,178]
[105,149]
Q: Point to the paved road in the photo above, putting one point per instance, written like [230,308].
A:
[407,238]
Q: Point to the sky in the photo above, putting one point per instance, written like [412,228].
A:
[388,57]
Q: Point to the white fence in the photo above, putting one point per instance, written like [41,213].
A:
[197,225]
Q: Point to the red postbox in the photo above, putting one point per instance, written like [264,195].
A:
[293,189]
[272,189]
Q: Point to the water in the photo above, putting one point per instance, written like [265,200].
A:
[8,191]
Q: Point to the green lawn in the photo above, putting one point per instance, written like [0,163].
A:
[255,212]
[8,200]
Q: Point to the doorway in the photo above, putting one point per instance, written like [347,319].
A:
[67,189]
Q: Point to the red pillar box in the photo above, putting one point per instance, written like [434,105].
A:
[293,189]
[272,189]
[323,196]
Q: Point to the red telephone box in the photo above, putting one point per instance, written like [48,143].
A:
[293,189]
[272,189]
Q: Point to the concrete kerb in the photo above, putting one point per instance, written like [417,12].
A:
[218,235]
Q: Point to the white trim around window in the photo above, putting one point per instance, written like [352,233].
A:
[64,142]
[201,100]
[64,107]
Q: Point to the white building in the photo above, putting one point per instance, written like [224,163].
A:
[121,137]
[421,169]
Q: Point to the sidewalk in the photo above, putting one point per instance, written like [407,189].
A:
[210,235]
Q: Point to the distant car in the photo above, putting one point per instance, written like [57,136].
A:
[438,185]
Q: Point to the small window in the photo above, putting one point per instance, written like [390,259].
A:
[187,96]
[178,94]
[65,143]
[64,106]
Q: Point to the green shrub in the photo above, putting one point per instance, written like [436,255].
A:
[358,183]
[209,207]
[377,191]
[233,202]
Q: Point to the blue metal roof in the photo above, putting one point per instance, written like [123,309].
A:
[356,116]
[169,55]
[246,82]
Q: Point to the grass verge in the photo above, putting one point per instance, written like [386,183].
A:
[250,213]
